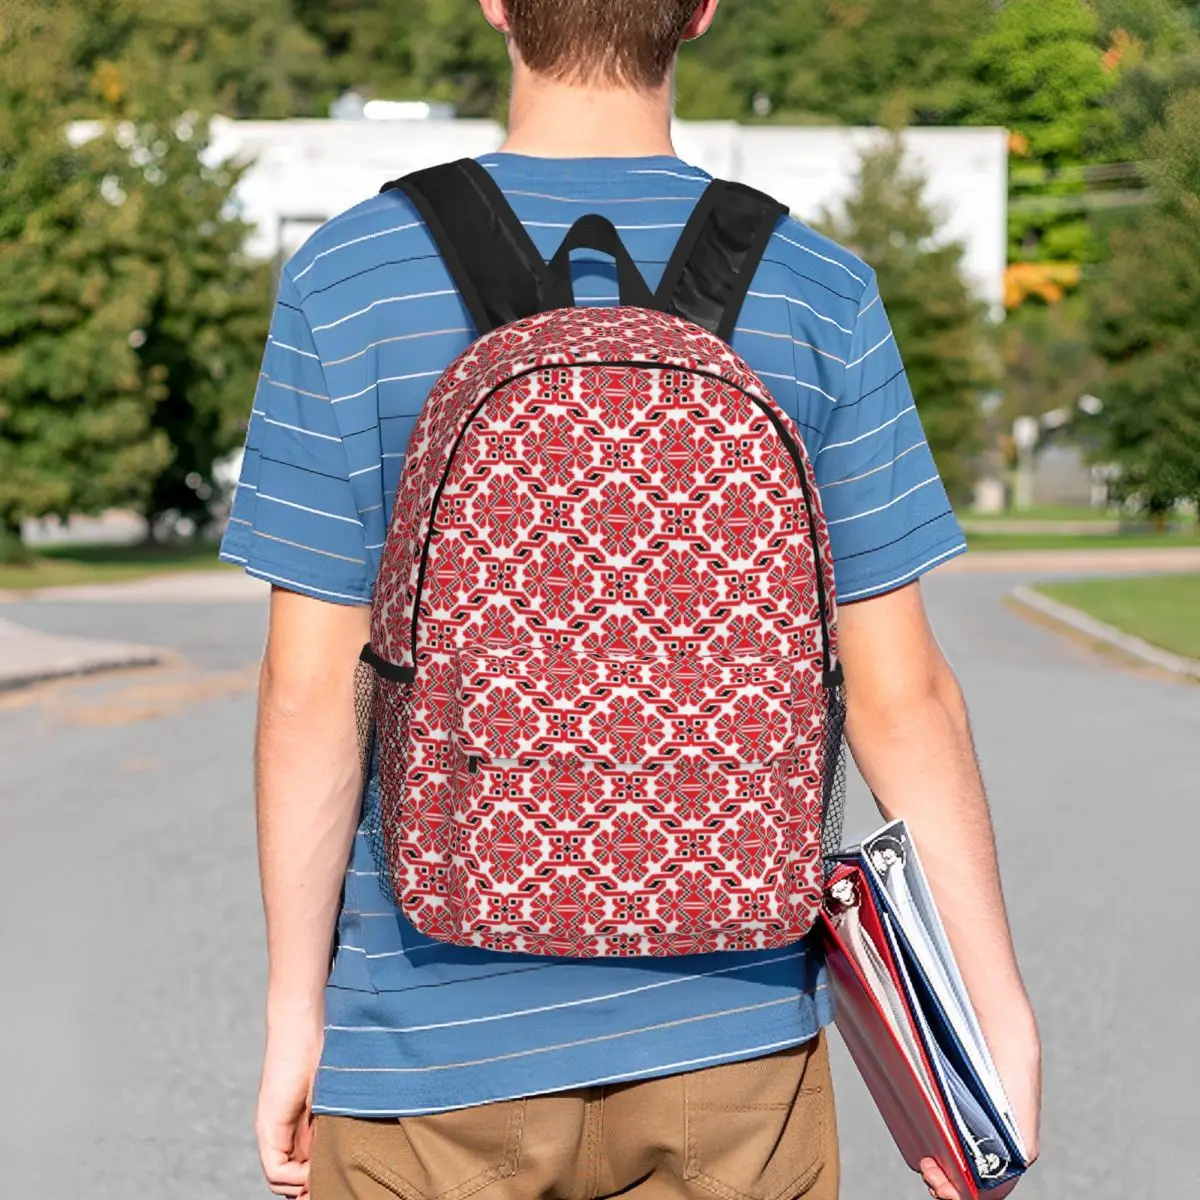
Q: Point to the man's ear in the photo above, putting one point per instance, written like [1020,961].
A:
[496,12]
[699,25]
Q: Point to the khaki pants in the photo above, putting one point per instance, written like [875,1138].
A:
[760,1130]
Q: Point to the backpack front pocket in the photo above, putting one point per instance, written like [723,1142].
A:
[628,804]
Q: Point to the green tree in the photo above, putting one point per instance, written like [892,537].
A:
[426,49]
[129,321]
[941,327]
[1039,71]
[76,431]
[368,44]
[230,56]
[858,62]
[861,62]
[1049,362]
[1162,26]
[1145,313]
[460,58]
[1154,71]
[202,340]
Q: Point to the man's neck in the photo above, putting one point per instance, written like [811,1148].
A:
[549,119]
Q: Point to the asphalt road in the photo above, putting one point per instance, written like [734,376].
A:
[131,940]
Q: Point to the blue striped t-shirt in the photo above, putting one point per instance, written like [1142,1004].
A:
[367,319]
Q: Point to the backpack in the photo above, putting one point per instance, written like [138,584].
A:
[602,692]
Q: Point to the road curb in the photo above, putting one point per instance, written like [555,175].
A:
[1074,621]
[29,657]
[182,587]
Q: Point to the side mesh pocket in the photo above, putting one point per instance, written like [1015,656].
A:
[833,773]
[366,687]
[391,753]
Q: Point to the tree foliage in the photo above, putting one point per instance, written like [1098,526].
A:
[204,333]
[1146,310]
[461,58]
[857,62]
[1049,362]
[868,62]
[941,328]
[1039,71]
[1162,26]
[369,45]
[129,322]
[75,427]
[241,59]
[429,49]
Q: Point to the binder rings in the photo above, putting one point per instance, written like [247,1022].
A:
[905,1015]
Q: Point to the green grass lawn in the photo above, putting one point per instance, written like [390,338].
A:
[1047,512]
[1163,609]
[1083,541]
[65,566]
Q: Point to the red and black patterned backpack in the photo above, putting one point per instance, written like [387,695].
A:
[602,677]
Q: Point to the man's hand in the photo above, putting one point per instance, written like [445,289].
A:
[908,728]
[935,1179]
[283,1123]
[309,791]
[1016,1051]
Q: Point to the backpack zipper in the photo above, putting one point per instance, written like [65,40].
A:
[831,673]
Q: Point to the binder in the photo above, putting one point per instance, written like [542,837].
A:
[905,1016]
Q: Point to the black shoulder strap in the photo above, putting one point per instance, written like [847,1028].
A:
[502,277]
[490,256]
[712,268]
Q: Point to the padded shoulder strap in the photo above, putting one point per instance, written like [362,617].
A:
[712,268]
[490,256]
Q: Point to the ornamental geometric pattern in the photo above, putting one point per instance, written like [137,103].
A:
[602,564]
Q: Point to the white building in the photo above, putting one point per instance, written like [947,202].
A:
[305,172]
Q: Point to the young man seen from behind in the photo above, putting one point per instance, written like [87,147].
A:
[413,1067]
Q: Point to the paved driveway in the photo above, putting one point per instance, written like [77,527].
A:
[130,934]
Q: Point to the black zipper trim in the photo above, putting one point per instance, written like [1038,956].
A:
[831,675]
[387,670]
[437,500]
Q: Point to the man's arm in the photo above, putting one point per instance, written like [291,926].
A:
[910,735]
[309,789]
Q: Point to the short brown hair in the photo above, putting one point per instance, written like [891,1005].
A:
[630,42]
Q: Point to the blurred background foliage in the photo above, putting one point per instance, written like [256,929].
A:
[941,325]
[131,323]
